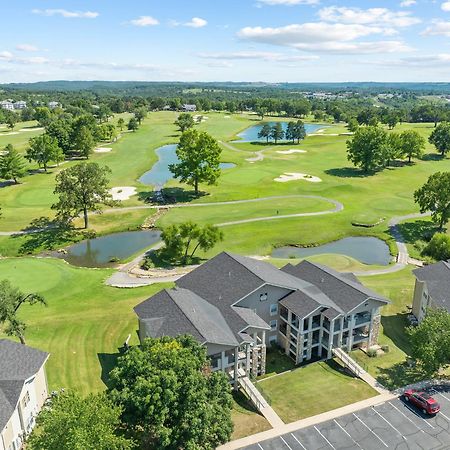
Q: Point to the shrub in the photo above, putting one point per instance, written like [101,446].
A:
[372,352]
[439,247]
[385,348]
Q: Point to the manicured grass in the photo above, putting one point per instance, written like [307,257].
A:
[83,325]
[390,368]
[20,136]
[246,419]
[313,389]
[276,362]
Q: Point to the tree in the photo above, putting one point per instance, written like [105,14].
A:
[264,132]
[412,144]
[277,132]
[393,148]
[11,299]
[43,115]
[61,130]
[440,137]
[140,114]
[352,125]
[290,131]
[438,247]
[170,395]
[121,123]
[75,423]
[179,238]
[199,155]
[81,188]
[84,142]
[133,124]
[12,165]
[434,196]
[11,121]
[262,112]
[184,122]
[367,148]
[43,150]
[299,131]
[430,341]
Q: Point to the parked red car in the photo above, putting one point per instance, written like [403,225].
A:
[425,402]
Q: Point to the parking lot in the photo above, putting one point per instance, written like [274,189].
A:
[391,425]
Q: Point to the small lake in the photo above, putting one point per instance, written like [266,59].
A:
[160,174]
[368,250]
[99,251]
[251,134]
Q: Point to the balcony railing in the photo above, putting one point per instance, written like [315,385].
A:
[362,319]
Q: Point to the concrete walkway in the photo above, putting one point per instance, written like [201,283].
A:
[304,423]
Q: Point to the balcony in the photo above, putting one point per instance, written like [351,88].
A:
[359,337]
[362,318]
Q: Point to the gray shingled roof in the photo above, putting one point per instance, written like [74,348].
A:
[251,318]
[180,311]
[437,278]
[17,363]
[345,293]
[300,304]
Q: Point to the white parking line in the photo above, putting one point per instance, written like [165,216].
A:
[328,442]
[419,416]
[287,445]
[404,415]
[260,446]
[390,424]
[301,445]
[443,415]
[373,432]
[345,431]
[441,394]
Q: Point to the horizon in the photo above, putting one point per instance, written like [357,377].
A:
[252,41]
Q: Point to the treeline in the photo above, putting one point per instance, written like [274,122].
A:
[295,131]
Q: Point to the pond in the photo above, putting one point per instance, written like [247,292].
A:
[368,250]
[251,134]
[99,251]
[160,174]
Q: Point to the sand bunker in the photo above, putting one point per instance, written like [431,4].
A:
[9,134]
[290,152]
[227,117]
[102,150]
[293,176]
[122,192]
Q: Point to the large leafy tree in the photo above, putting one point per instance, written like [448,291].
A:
[299,131]
[367,148]
[61,130]
[75,423]
[84,141]
[43,150]
[393,148]
[440,137]
[140,114]
[412,144]
[133,124]
[81,188]
[183,240]
[11,299]
[12,165]
[199,155]
[264,132]
[184,122]
[170,395]
[434,196]
[430,341]
[277,132]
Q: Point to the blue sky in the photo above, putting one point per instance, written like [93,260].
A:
[221,40]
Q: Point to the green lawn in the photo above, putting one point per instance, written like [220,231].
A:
[313,389]
[84,323]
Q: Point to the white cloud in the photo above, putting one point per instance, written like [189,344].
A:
[445,6]
[439,28]
[26,48]
[371,16]
[65,13]
[6,56]
[144,21]
[289,2]
[265,56]
[408,3]
[419,61]
[195,22]
[324,37]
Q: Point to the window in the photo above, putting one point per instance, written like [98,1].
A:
[272,339]
[26,399]
[273,325]
[263,297]
[274,309]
